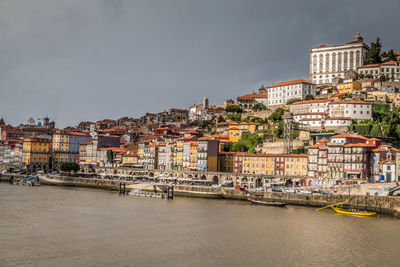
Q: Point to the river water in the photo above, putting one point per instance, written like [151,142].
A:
[67,226]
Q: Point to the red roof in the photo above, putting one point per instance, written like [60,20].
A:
[106,135]
[378,150]
[360,136]
[340,118]
[321,46]
[79,133]
[390,63]
[289,83]
[311,113]
[224,123]
[370,66]
[87,143]
[343,135]
[349,102]
[311,101]
[253,96]
[357,145]
[311,119]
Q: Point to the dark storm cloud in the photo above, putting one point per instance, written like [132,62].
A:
[86,60]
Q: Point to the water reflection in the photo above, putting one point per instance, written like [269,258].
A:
[54,226]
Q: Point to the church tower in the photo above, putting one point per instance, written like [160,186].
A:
[205,103]
[358,38]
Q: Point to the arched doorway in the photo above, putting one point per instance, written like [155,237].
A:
[258,182]
[215,180]
[203,177]
[289,182]
[151,174]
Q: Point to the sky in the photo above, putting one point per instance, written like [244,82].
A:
[79,60]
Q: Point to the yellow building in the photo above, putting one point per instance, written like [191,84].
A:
[178,161]
[36,153]
[236,129]
[348,87]
[296,165]
[193,155]
[60,148]
[258,164]
[140,154]
[130,158]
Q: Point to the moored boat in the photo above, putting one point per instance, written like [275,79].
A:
[353,212]
[267,203]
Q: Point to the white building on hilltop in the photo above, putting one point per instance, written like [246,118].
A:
[328,62]
[280,93]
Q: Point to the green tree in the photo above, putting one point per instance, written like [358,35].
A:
[374,53]
[239,147]
[301,150]
[234,109]
[346,95]
[389,56]
[361,76]
[292,100]
[309,97]
[278,131]
[376,130]
[227,147]
[235,117]
[277,115]
[69,166]
[247,142]
[221,119]
[259,107]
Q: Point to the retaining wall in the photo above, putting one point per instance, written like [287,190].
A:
[384,205]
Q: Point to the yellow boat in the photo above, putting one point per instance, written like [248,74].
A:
[353,213]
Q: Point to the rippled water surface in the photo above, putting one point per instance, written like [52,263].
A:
[66,226]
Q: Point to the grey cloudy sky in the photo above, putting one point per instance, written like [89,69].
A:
[87,60]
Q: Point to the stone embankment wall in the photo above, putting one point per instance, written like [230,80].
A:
[83,182]
[384,205]
[70,181]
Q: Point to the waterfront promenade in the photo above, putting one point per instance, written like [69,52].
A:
[384,205]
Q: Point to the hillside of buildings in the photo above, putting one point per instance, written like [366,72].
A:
[340,122]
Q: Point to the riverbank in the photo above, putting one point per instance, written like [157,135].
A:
[384,205]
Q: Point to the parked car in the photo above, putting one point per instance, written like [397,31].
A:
[315,191]
[277,189]
[260,189]
[304,192]
[216,186]
[239,186]
[324,192]
[290,190]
